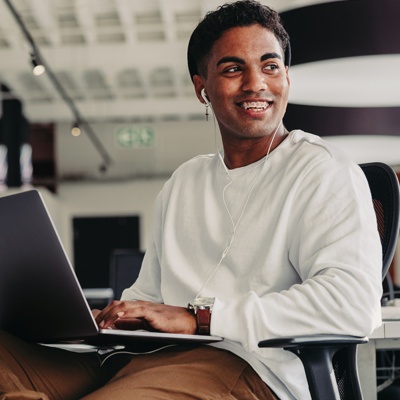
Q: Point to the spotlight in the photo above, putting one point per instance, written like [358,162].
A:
[75,130]
[38,67]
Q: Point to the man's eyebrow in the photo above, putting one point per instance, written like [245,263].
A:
[228,59]
[270,55]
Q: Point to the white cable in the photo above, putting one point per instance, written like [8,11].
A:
[225,252]
[133,353]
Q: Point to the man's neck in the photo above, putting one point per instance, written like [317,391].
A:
[242,152]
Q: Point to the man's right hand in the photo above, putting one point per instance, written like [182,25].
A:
[147,315]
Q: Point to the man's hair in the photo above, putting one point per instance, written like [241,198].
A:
[238,14]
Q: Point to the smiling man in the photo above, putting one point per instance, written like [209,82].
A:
[276,231]
[272,236]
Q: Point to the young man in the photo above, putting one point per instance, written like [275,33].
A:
[275,234]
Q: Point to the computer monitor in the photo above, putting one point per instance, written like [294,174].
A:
[95,238]
[125,266]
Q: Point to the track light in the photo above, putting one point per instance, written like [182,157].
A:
[75,130]
[36,59]
[38,67]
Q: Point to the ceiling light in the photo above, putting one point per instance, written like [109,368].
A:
[36,61]
[75,130]
[38,67]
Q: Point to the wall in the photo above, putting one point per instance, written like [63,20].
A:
[107,199]
[174,143]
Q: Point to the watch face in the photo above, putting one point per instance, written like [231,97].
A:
[204,302]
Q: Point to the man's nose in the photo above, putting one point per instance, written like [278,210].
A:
[254,80]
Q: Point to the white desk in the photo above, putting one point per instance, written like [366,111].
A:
[385,337]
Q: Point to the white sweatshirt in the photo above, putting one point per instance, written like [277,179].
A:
[302,252]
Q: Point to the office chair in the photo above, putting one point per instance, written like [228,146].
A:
[330,361]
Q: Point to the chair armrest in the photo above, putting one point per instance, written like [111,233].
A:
[317,353]
[312,341]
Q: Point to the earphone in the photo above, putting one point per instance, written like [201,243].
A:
[204,96]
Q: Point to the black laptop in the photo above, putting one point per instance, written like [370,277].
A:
[40,297]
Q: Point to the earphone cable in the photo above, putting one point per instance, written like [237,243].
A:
[225,252]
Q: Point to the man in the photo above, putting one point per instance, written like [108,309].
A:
[276,233]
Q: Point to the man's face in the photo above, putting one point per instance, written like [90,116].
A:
[247,82]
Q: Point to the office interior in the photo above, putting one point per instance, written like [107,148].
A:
[114,113]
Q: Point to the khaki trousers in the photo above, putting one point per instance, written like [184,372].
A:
[30,371]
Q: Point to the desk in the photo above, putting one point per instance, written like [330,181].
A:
[387,337]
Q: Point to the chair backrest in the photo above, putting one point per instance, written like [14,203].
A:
[384,187]
[319,354]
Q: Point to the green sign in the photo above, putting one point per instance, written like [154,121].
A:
[129,137]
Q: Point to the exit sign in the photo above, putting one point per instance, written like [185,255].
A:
[133,137]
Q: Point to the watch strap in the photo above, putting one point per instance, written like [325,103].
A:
[203,318]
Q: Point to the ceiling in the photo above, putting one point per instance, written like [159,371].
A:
[124,62]
[116,59]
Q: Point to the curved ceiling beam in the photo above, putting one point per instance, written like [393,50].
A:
[332,121]
[343,29]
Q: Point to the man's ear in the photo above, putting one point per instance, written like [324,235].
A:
[198,82]
[287,75]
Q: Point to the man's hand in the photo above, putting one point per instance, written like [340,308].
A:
[146,315]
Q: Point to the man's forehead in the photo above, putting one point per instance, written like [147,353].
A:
[269,43]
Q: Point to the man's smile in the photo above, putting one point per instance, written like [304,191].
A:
[256,106]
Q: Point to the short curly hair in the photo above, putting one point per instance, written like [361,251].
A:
[230,15]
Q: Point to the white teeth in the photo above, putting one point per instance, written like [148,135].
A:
[258,105]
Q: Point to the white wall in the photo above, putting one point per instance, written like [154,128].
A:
[175,142]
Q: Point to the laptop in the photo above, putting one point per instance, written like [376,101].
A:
[40,297]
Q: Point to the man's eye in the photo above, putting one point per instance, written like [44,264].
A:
[271,67]
[232,69]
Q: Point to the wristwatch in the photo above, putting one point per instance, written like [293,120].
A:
[202,308]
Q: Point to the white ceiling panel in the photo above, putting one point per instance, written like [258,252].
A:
[113,57]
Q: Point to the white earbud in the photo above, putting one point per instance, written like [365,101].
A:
[204,96]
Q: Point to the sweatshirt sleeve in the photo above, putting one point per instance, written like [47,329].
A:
[334,246]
